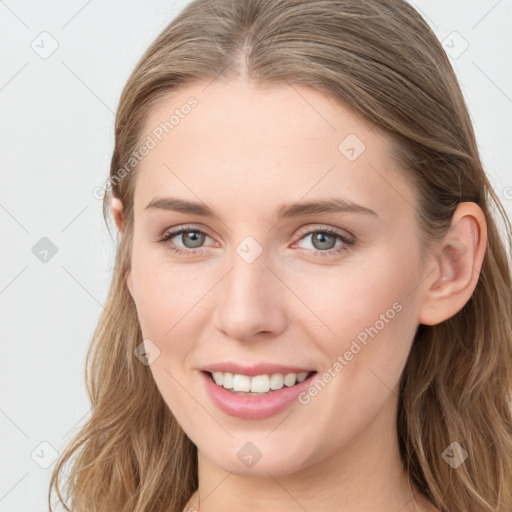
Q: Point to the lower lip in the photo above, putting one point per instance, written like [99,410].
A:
[253,407]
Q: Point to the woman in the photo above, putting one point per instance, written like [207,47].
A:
[311,302]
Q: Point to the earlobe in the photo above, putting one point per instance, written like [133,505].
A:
[457,266]
[117,213]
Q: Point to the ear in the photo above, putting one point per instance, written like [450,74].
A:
[457,265]
[117,213]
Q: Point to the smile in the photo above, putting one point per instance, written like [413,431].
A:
[240,402]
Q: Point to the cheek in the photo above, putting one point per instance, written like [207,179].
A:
[371,320]
[168,300]
[174,306]
[163,293]
[368,315]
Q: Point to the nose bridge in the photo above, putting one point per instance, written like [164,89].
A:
[250,299]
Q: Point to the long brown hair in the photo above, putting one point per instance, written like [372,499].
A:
[381,60]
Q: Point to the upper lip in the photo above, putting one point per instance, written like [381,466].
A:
[254,369]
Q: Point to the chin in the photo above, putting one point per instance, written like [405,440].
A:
[257,455]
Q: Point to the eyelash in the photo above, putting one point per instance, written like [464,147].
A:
[347,242]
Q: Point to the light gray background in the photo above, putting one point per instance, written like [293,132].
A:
[56,136]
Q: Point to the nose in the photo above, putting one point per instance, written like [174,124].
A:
[251,301]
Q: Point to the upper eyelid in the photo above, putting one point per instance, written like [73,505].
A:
[323,227]
[172,232]
[191,227]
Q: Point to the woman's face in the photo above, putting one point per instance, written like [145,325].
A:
[260,282]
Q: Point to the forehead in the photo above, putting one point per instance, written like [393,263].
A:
[240,145]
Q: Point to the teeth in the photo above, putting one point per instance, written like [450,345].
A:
[217,377]
[258,383]
[227,380]
[276,381]
[302,376]
[241,382]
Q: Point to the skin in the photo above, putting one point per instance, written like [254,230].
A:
[244,152]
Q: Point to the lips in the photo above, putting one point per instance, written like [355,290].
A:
[255,406]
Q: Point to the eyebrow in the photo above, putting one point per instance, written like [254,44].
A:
[331,205]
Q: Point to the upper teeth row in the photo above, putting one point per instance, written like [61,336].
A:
[258,383]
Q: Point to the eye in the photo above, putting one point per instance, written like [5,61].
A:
[324,241]
[191,237]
